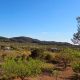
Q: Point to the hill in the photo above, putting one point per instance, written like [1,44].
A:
[23,39]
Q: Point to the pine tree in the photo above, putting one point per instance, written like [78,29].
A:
[76,36]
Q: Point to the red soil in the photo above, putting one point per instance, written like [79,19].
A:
[64,75]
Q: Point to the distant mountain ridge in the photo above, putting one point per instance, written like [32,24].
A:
[23,39]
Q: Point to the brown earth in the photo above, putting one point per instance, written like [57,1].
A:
[63,75]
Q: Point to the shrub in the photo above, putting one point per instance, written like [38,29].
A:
[49,57]
[64,58]
[47,67]
[55,73]
[76,69]
[76,66]
[36,53]
[34,66]
[11,68]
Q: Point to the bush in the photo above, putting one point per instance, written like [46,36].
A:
[36,53]
[34,66]
[76,66]
[55,73]
[11,68]
[64,58]
[76,69]
[47,67]
[49,57]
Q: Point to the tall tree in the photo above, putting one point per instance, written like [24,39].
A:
[76,36]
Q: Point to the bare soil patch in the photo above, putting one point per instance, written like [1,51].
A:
[64,75]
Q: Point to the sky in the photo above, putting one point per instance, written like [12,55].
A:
[50,20]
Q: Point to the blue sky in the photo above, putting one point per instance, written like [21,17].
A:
[53,20]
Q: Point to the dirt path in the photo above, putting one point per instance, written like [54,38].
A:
[64,75]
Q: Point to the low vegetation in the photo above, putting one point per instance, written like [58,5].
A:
[23,60]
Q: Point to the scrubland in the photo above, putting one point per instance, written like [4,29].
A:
[39,62]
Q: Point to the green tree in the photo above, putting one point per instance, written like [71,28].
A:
[76,36]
